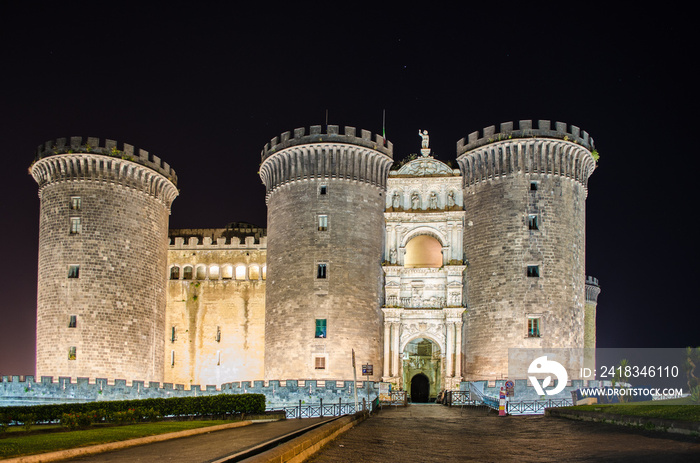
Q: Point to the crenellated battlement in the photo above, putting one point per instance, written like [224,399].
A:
[562,152]
[109,148]
[234,242]
[332,135]
[525,129]
[327,155]
[592,289]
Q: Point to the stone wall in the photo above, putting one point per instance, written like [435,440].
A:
[332,272]
[17,390]
[215,318]
[517,271]
[102,264]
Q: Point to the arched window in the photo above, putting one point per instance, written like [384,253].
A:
[187,272]
[214,272]
[254,272]
[423,251]
[201,272]
[264,272]
[174,272]
[240,272]
[227,272]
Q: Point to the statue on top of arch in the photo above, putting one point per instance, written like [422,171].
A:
[425,149]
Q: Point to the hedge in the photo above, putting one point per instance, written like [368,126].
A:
[220,404]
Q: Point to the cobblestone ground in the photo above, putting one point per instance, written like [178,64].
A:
[435,433]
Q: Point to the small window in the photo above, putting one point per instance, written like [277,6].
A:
[533,271]
[75,226]
[172,358]
[73,321]
[240,272]
[321,271]
[322,223]
[218,334]
[75,203]
[214,272]
[187,272]
[533,327]
[533,186]
[73,271]
[227,272]
[264,272]
[254,272]
[323,190]
[175,272]
[320,363]
[173,334]
[218,357]
[320,328]
[72,353]
[532,222]
[201,272]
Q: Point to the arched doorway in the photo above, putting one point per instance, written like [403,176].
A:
[422,369]
[420,388]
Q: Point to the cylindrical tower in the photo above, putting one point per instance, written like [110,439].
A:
[524,241]
[325,198]
[103,243]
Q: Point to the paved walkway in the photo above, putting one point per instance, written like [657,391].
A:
[435,433]
[204,447]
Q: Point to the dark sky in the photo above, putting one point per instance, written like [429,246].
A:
[205,88]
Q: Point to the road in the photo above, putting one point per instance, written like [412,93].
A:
[435,433]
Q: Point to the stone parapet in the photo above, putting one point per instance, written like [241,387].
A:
[592,289]
[93,145]
[332,135]
[325,156]
[558,152]
[526,130]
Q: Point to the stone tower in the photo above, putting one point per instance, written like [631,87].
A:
[524,240]
[103,243]
[325,198]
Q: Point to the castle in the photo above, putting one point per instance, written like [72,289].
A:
[424,272]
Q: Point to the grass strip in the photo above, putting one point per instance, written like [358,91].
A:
[666,411]
[40,443]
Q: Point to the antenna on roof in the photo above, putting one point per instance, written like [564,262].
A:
[384,123]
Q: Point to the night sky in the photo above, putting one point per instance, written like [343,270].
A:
[205,88]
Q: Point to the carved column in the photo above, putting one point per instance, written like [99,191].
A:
[387,350]
[449,348]
[395,349]
[458,349]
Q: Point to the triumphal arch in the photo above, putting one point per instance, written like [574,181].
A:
[424,276]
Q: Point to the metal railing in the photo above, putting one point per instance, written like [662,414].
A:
[319,410]
[535,407]
[398,398]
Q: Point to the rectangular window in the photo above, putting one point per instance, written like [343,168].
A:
[320,363]
[321,271]
[533,271]
[75,227]
[73,321]
[172,358]
[320,328]
[218,334]
[75,203]
[73,271]
[322,222]
[532,222]
[218,357]
[533,327]
[173,334]
[533,186]
[72,353]
[323,190]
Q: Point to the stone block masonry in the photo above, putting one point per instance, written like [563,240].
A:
[102,266]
